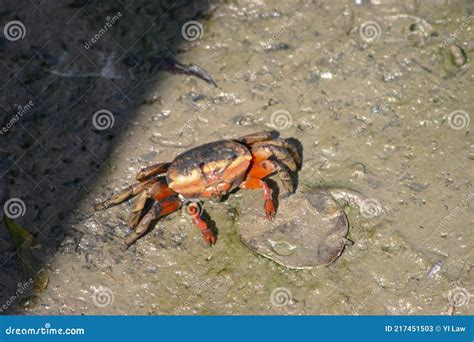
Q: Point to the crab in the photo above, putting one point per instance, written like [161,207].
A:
[206,172]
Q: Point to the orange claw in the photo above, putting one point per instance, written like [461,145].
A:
[207,233]
[209,237]
[270,210]
[256,183]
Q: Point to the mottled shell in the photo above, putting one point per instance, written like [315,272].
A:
[210,170]
[309,230]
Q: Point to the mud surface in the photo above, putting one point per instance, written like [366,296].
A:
[379,95]
[309,230]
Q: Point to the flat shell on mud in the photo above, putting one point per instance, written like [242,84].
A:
[309,229]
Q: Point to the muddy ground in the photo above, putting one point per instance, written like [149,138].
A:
[378,93]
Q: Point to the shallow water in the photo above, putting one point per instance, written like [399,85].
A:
[373,112]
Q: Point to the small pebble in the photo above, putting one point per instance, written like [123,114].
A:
[458,56]
[435,269]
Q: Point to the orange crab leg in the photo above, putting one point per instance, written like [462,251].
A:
[152,170]
[256,183]
[194,211]
[157,191]
[260,169]
[159,209]
[167,207]
[162,192]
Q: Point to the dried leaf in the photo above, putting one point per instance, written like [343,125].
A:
[25,243]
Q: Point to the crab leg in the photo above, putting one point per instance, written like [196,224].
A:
[267,149]
[132,190]
[156,191]
[137,209]
[194,211]
[283,174]
[256,183]
[282,150]
[159,209]
[261,168]
[152,170]
[256,137]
